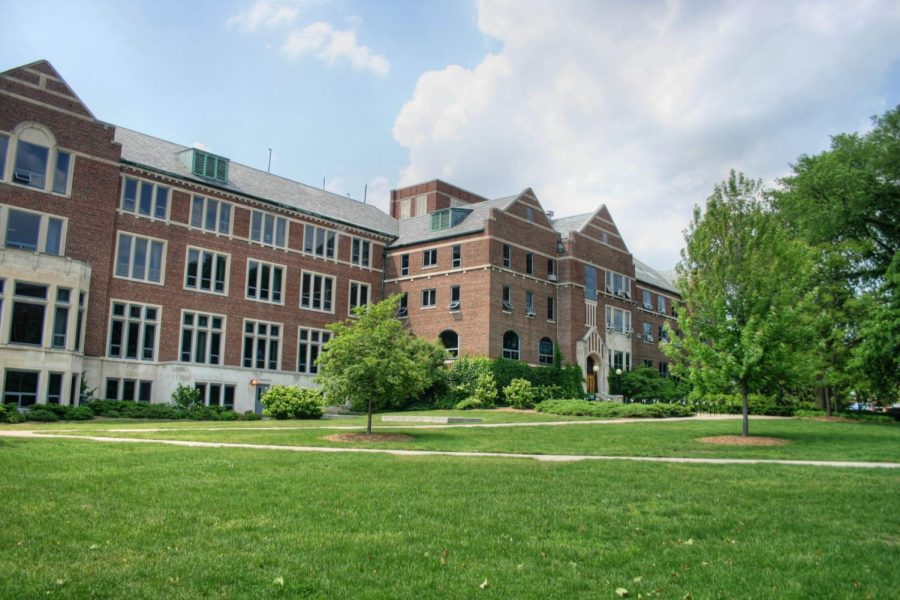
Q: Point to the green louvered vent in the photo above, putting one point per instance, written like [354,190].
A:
[206,165]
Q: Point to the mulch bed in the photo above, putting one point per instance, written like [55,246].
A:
[736,440]
[369,437]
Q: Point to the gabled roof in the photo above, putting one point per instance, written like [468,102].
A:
[564,225]
[159,155]
[60,95]
[647,274]
[418,229]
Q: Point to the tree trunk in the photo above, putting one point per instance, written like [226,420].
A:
[828,400]
[369,421]
[745,397]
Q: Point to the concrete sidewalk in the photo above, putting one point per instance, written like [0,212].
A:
[538,457]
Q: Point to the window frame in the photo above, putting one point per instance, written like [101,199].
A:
[361,252]
[28,133]
[257,337]
[351,296]
[330,242]
[209,330]
[332,299]
[309,350]
[259,277]
[155,187]
[150,240]
[429,298]
[216,255]
[429,258]
[43,231]
[456,256]
[510,352]
[204,216]
[142,323]
[452,351]
[507,256]
[543,357]
[276,220]
[46,304]
[404,265]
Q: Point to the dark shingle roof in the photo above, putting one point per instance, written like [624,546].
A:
[160,155]
[647,274]
[418,229]
[574,223]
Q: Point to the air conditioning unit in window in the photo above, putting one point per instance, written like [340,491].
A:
[402,311]
[453,305]
[648,338]
[529,313]
[620,293]
[609,289]
[22,176]
[627,295]
[648,306]
[551,277]
[507,306]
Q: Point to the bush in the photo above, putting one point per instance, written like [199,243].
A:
[519,393]
[547,392]
[485,390]
[41,414]
[291,402]
[468,404]
[187,396]
[249,416]
[613,410]
[79,413]
[9,413]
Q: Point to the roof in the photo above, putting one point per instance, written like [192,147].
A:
[418,229]
[564,225]
[160,155]
[647,274]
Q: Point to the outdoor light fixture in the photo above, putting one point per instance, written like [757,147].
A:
[596,368]
[254,382]
[618,371]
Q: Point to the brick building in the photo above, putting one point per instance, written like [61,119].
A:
[138,264]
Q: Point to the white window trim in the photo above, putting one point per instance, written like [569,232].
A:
[271,265]
[268,339]
[261,241]
[136,213]
[422,305]
[215,253]
[337,243]
[309,344]
[427,252]
[361,241]
[350,298]
[53,150]
[127,319]
[42,229]
[224,339]
[333,291]
[162,268]
[202,226]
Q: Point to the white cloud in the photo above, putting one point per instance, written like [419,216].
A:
[334,46]
[379,193]
[265,14]
[201,146]
[645,106]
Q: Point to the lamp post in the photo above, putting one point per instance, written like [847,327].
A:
[596,370]
[618,381]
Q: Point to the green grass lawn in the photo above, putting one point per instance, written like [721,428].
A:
[809,440]
[83,519]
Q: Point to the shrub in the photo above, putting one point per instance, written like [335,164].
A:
[547,392]
[79,413]
[291,402]
[519,393]
[468,404]
[187,396]
[613,410]
[249,416]
[9,413]
[41,414]
[485,390]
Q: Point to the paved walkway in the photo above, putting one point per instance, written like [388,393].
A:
[539,457]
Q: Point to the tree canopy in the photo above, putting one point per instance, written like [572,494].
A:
[373,361]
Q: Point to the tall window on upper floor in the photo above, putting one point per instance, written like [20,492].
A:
[359,252]
[206,271]
[318,241]
[529,263]
[34,231]
[30,157]
[647,299]
[140,258]
[359,296]
[618,284]
[404,265]
[264,281]
[507,255]
[590,282]
[145,198]
[268,229]
[211,215]
[456,256]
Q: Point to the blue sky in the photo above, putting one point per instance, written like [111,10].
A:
[641,106]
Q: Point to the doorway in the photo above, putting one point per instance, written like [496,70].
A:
[261,388]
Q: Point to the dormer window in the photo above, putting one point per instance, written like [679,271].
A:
[447,218]
[206,165]
[30,158]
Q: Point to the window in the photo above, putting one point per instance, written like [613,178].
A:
[128,389]
[647,299]
[648,332]
[529,214]
[663,369]
[405,206]
[454,299]
[139,258]
[403,307]
[309,348]
[545,351]
[359,295]
[551,309]
[2,287]
[429,258]
[132,331]
[551,269]
[27,322]
[79,322]
[54,388]
[404,265]
[648,363]
[61,318]
[316,291]
[262,341]
[33,231]
[620,360]
[359,252]
[456,256]
[450,341]
[663,336]
[429,298]
[208,165]
[507,256]
[206,271]
[268,229]
[529,304]
[264,281]
[590,282]
[211,215]
[618,320]
[318,241]
[618,284]
[529,263]
[661,304]
[446,218]
[507,306]
[37,162]
[145,198]
[216,394]
[511,345]
[20,388]
[201,337]
[421,205]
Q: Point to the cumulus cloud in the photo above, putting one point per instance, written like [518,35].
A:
[645,106]
[334,46]
[379,193]
[265,14]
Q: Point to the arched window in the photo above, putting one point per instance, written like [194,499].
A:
[511,345]
[450,340]
[545,351]
[30,158]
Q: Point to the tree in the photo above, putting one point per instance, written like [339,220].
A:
[744,325]
[373,361]
[845,203]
